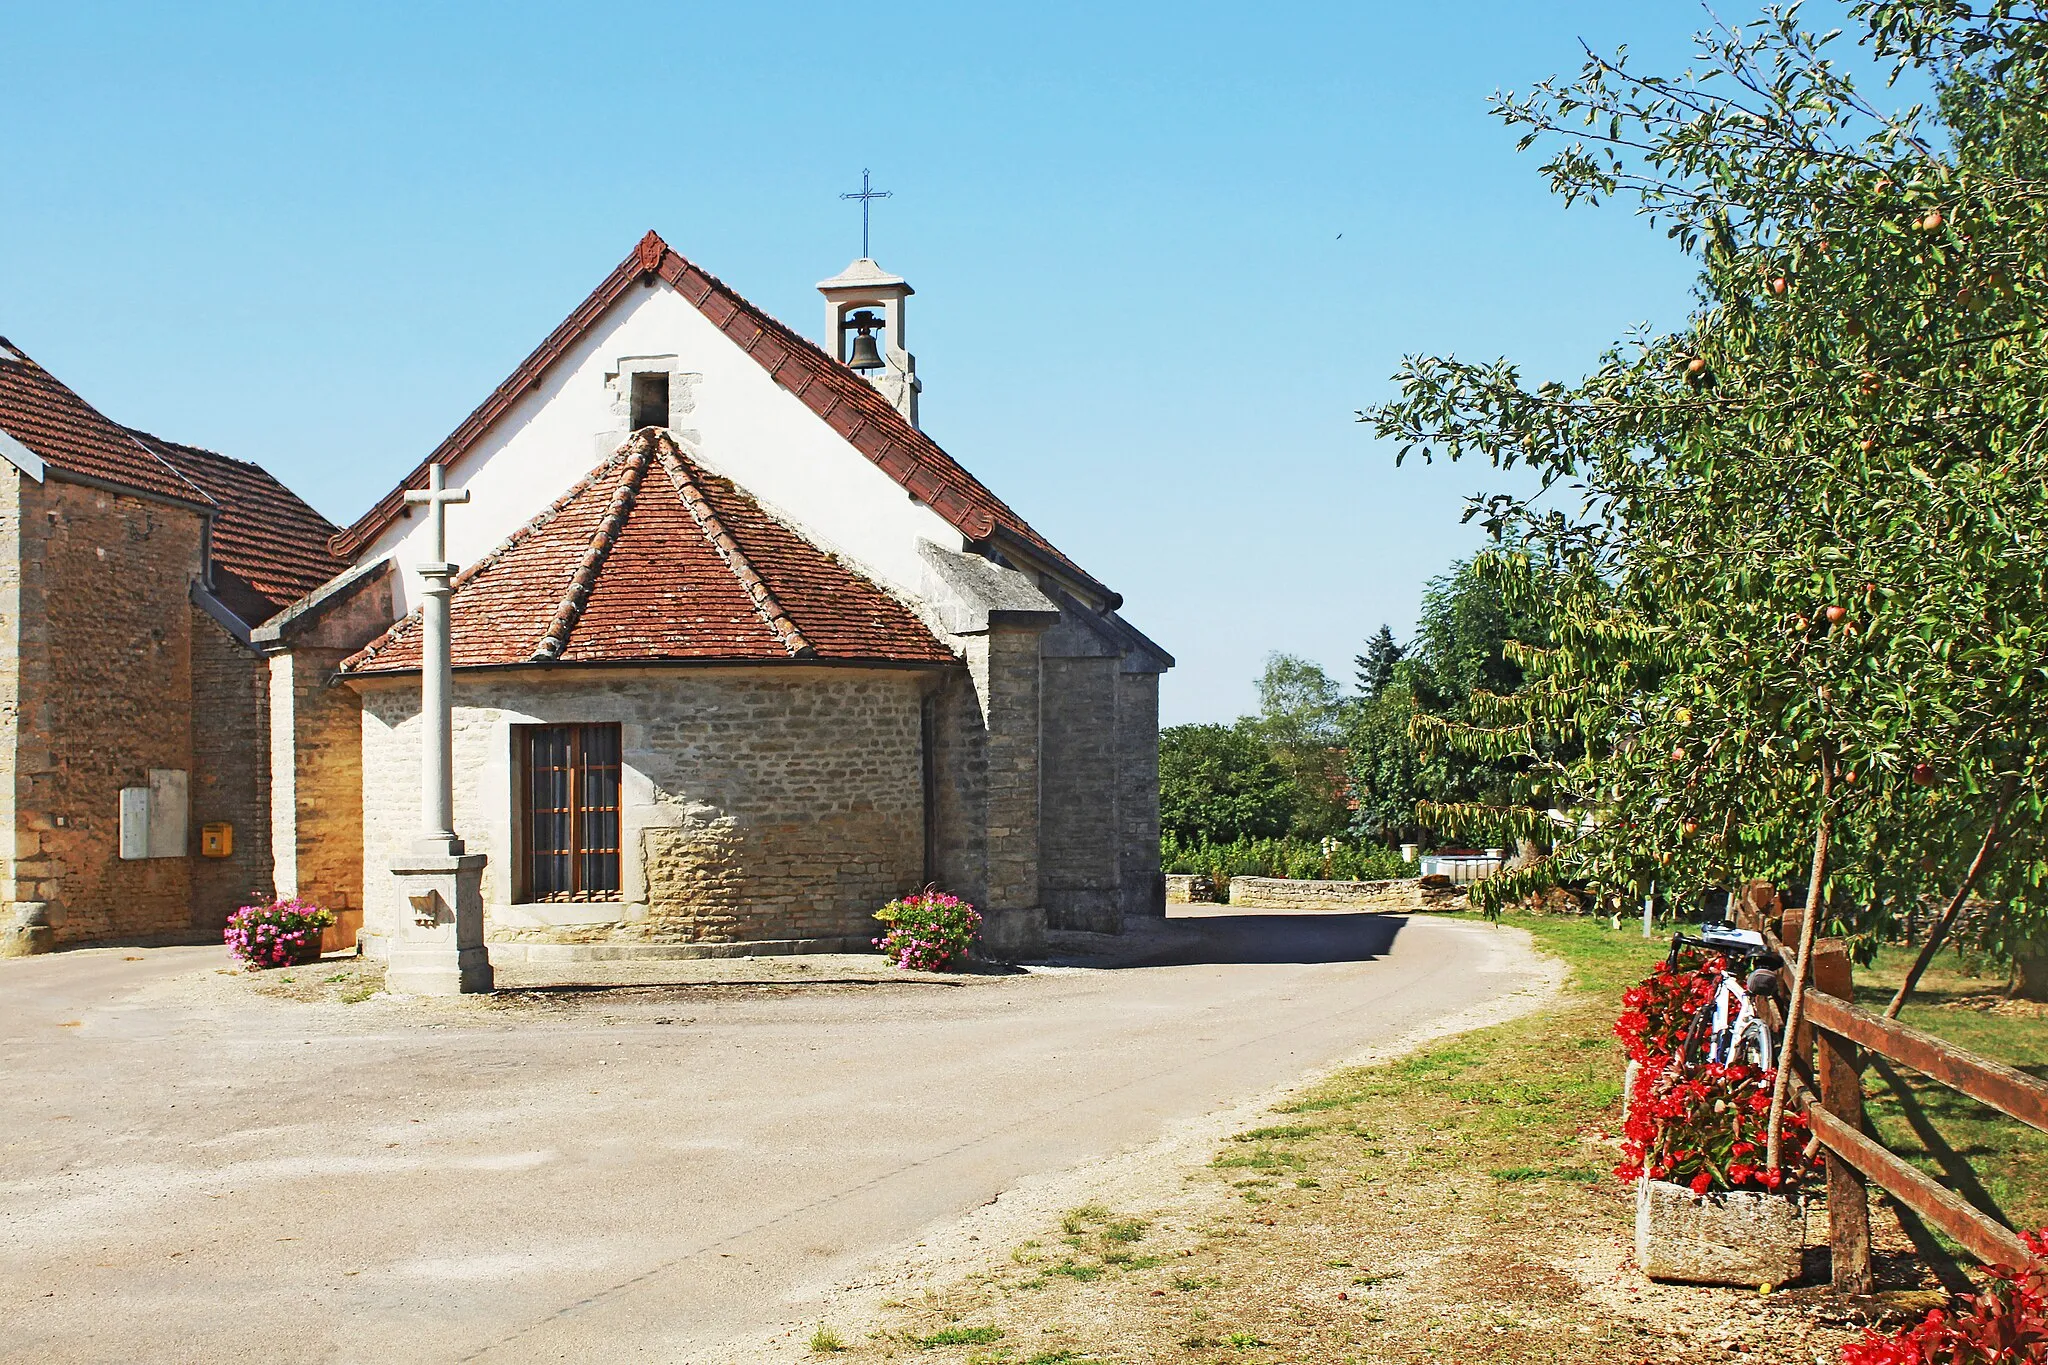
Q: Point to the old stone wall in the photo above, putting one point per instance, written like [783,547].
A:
[317,760]
[758,803]
[230,771]
[1005,665]
[105,669]
[1142,889]
[1080,829]
[28,934]
[960,767]
[316,741]
[1281,893]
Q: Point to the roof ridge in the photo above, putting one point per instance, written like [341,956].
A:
[592,564]
[729,550]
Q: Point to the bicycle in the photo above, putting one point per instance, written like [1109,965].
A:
[1729,1027]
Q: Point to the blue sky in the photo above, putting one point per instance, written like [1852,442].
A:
[317,236]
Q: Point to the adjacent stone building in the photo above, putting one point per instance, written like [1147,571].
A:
[132,714]
[740,653]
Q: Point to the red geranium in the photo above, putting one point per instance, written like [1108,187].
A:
[2007,1324]
[1705,1129]
[1656,1014]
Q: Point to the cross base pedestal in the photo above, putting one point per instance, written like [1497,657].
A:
[439,947]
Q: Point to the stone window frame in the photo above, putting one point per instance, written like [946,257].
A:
[682,392]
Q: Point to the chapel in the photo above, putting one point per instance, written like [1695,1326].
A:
[738,654]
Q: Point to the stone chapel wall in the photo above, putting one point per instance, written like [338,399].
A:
[759,804]
[1081,832]
[1142,884]
[960,767]
[105,696]
[231,771]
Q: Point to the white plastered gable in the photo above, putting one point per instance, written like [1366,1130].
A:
[724,409]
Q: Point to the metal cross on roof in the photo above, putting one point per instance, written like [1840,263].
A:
[867,194]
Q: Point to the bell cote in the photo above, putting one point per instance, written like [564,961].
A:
[864,330]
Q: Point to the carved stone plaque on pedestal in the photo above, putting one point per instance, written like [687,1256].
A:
[439,946]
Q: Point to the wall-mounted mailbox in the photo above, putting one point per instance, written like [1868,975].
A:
[217,840]
[153,818]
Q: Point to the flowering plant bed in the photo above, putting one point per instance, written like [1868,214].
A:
[1708,1208]
[282,933]
[1704,1129]
[2007,1324]
[928,930]
[1656,1013]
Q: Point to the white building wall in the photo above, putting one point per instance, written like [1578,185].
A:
[735,419]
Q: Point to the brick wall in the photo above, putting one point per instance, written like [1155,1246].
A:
[105,688]
[230,771]
[758,804]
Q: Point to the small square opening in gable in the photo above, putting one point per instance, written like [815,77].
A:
[650,399]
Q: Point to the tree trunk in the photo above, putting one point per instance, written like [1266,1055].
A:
[2030,969]
[1955,905]
[1794,1011]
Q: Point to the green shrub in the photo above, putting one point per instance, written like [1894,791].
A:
[1302,859]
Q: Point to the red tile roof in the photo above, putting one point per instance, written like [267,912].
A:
[72,437]
[269,546]
[847,402]
[652,559]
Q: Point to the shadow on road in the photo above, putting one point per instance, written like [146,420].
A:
[1246,939]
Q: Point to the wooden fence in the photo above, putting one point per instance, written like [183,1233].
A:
[1828,1057]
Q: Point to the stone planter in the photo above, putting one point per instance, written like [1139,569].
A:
[1745,1238]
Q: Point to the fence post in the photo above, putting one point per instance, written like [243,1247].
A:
[1838,1068]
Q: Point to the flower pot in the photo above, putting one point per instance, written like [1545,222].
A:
[1741,1237]
[306,950]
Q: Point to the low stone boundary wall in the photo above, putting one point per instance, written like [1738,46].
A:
[1189,888]
[1284,893]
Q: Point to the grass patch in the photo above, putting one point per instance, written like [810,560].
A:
[1282,1133]
[960,1336]
[1077,1220]
[1519,1173]
[1264,1159]
[1075,1270]
[825,1341]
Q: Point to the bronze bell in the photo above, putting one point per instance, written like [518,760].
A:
[865,354]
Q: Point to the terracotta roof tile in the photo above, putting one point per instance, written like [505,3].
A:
[871,423]
[269,547]
[650,559]
[71,436]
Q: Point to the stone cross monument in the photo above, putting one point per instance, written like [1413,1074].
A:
[439,948]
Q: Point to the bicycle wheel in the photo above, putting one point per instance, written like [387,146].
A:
[1754,1045]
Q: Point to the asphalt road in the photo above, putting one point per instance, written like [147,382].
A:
[195,1174]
